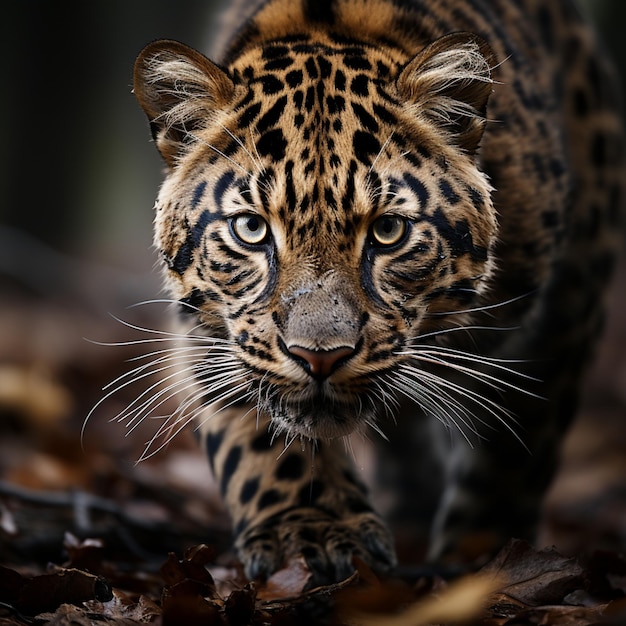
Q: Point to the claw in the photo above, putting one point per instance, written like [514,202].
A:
[327,545]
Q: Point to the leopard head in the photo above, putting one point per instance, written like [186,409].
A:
[322,209]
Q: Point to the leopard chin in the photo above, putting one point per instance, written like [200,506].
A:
[319,417]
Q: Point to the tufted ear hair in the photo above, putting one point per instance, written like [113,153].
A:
[449,83]
[180,91]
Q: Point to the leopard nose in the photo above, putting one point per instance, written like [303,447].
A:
[320,364]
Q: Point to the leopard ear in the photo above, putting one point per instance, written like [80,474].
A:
[180,91]
[449,83]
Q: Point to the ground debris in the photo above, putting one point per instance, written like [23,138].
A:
[126,541]
[521,586]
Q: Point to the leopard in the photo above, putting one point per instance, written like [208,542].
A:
[390,223]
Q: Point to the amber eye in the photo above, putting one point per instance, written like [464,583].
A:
[388,230]
[250,229]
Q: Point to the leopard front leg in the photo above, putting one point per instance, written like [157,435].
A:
[494,491]
[300,501]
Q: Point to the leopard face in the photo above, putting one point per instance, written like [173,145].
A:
[323,209]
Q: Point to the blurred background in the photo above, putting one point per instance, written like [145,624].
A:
[79,176]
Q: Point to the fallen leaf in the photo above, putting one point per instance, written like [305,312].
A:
[462,600]
[188,602]
[534,577]
[191,567]
[607,573]
[46,592]
[227,579]
[190,596]
[615,612]
[121,606]
[240,605]
[371,595]
[561,616]
[65,615]
[288,581]
[33,393]
[86,554]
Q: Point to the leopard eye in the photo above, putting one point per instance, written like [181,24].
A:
[251,229]
[388,230]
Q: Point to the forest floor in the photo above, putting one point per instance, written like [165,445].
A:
[88,536]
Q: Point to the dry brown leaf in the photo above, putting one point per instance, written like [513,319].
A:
[462,601]
[85,555]
[371,595]
[287,582]
[46,592]
[227,579]
[535,577]
[190,596]
[240,605]
[47,471]
[121,606]
[615,612]
[32,393]
[190,602]
[561,616]
[65,615]
[191,567]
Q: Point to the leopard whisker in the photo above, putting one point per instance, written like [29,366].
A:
[169,360]
[182,421]
[258,156]
[287,444]
[376,428]
[217,151]
[166,359]
[391,163]
[437,388]
[175,338]
[257,163]
[172,430]
[502,415]
[259,397]
[208,386]
[165,335]
[421,398]
[230,392]
[486,307]
[162,396]
[183,352]
[386,400]
[139,373]
[360,401]
[386,193]
[349,448]
[440,356]
[117,389]
[464,328]
[171,301]
[196,359]
[431,401]
[381,151]
[179,303]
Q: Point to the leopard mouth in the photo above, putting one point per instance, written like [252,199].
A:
[319,417]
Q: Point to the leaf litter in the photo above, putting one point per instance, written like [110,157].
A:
[520,586]
[136,552]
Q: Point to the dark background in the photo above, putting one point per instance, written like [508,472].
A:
[78,171]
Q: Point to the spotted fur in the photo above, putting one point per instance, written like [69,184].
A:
[381,209]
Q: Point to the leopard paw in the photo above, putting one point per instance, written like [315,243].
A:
[328,544]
